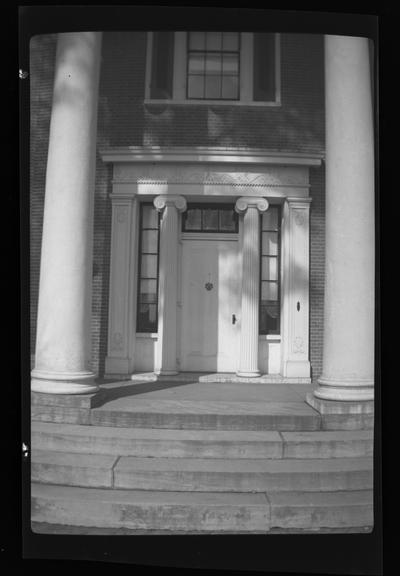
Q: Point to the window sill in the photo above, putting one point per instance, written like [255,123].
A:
[270,337]
[149,335]
[149,101]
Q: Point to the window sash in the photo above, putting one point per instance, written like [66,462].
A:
[247,90]
[148,275]
[210,81]
[269,308]
[204,219]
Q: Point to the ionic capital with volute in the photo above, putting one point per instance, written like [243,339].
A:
[179,202]
[245,202]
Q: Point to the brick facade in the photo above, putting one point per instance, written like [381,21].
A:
[124,119]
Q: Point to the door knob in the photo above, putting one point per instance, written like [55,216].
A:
[233,319]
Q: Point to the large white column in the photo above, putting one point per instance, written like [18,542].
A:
[63,339]
[166,349]
[250,207]
[348,353]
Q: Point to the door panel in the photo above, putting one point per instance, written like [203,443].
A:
[209,339]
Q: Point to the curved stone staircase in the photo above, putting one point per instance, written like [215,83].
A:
[180,457]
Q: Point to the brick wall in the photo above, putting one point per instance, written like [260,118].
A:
[317,262]
[42,55]
[296,126]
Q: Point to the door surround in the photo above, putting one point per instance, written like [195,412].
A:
[207,174]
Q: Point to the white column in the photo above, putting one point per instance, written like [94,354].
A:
[122,298]
[295,288]
[63,339]
[249,321]
[166,349]
[348,353]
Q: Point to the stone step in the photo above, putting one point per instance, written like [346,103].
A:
[243,475]
[198,512]
[72,469]
[201,474]
[172,443]
[207,415]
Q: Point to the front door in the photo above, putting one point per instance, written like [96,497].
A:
[211,281]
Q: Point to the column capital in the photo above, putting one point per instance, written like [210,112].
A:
[245,202]
[298,200]
[160,202]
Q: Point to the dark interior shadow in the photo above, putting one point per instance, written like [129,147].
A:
[127,389]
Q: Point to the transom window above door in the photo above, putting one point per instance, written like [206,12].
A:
[217,218]
[215,67]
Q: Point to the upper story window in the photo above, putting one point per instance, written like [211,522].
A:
[213,61]
[215,67]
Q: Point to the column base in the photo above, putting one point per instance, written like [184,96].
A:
[248,374]
[166,372]
[343,415]
[341,391]
[63,382]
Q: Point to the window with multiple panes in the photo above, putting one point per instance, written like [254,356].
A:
[149,241]
[220,218]
[213,62]
[218,66]
[270,271]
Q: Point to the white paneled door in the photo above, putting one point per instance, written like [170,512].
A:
[210,313]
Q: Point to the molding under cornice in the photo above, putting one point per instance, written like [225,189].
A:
[151,154]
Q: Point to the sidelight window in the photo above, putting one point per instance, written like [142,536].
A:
[270,271]
[149,242]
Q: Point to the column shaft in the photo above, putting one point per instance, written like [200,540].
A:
[63,340]
[348,353]
[166,361]
[249,322]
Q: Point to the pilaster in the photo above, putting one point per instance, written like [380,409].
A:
[295,288]
[122,295]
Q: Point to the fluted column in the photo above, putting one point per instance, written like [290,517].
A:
[348,352]
[249,321]
[166,349]
[63,339]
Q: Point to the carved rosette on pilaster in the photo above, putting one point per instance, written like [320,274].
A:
[295,293]
[250,207]
[166,347]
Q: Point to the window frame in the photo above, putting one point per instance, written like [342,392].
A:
[278,281]
[179,80]
[140,329]
[221,53]
[203,206]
